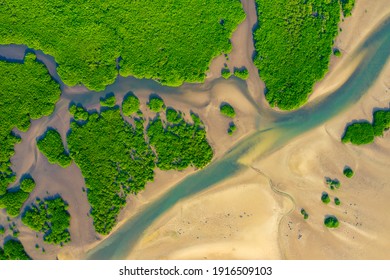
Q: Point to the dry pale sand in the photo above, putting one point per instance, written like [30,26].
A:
[236,219]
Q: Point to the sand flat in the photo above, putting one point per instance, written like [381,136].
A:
[237,219]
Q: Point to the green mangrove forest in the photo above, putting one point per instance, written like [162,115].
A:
[50,144]
[117,158]
[169,41]
[49,216]
[363,132]
[293,46]
[21,100]
[13,250]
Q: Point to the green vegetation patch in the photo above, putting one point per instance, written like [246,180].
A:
[14,199]
[337,52]
[304,214]
[27,91]
[13,250]
[227,110]
[348,172]
[381,122]
[225,72]
[130,104]
[337,201]
[51,217]
[331,222]
[293,46]
[78,113]
[325,198]
[108,101]
[359,133]
[169,41]
[156,104]
[173,116]
[232,128]
[179,145]
[241,73]
[333,183]
[114,160]
[2,230]
[50,144]
[347,6]
[363,132]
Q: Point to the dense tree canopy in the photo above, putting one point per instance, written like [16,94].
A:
[170,41]
[130,104]
[13,250]
[294,41]
[179,144]
[14,198]
[115,158]
[359,133]
[49,216]
[27,91]
[50,144]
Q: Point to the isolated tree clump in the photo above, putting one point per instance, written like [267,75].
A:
[232,128]
[227,110]
[325,198]
[92,40]
[337,52]
[241,73]
[225,73]
[331,222]
[130,104]
[304,214]
[359,133]
[156,104]
[27,92]
[50,144]
[51,217]
[333,183]
[348,172]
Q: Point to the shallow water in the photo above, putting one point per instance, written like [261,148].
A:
[286,125]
